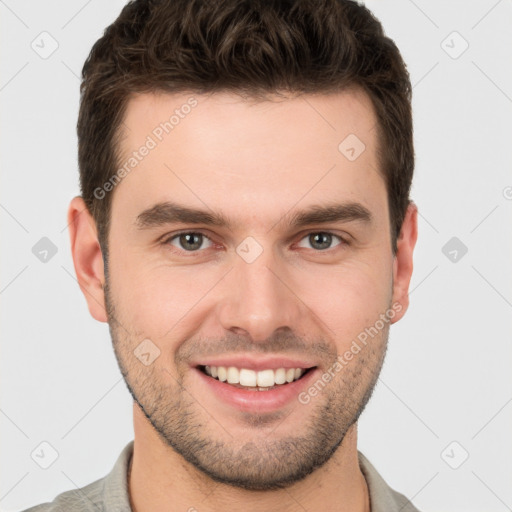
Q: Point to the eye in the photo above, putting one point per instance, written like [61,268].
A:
[322,240]
[193,241]
[189,241]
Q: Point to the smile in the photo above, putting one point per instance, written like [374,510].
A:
[252,380]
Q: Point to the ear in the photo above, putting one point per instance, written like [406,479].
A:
[87,257]
[403,263]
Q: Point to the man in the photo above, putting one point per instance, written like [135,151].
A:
[245,228]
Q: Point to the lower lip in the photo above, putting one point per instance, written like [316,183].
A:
[258,401]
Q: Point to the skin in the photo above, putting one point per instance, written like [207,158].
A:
[251,162]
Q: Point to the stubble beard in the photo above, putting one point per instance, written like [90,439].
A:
[261,463]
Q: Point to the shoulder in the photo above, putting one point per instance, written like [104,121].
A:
[85,499]
[383,498]
[109,493]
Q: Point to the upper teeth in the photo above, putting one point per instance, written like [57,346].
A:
[245,377]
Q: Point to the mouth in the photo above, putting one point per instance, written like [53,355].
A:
[255,380]
[254,384]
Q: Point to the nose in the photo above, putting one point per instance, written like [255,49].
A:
[259,299]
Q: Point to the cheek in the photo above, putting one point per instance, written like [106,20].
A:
[155,299]
[348,298]
[159,301]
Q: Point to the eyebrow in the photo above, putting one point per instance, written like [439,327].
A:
[169,212]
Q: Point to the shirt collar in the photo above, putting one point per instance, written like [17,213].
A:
[382,497]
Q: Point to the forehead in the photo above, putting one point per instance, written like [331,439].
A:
[238,121]
[222,152]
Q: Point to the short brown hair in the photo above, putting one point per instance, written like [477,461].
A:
[250,47]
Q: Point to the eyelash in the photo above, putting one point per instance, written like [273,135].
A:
[166,241]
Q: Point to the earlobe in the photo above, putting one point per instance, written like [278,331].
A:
[403,263]
[87,257]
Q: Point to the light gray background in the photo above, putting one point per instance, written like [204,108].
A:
[447,373]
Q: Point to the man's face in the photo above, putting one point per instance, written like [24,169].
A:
[260,293]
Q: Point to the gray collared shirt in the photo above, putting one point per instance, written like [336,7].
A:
[110,493]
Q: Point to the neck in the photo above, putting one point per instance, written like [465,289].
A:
[161,480]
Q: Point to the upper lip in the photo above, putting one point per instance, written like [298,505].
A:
[256,364]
